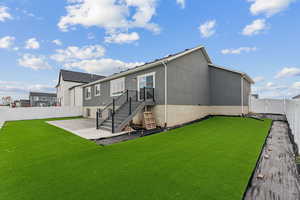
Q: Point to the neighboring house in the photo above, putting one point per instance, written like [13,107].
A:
[39,99]
[255,96]
[69,91]
[22,103]
[296,97]
[179,88]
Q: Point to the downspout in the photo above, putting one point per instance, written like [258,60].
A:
[166,94]
[242,94]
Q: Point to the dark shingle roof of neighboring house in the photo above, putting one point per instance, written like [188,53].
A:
[296,97]
[78,77]
[42,94]
[166,60]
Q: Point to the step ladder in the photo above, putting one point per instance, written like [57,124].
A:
[149,121]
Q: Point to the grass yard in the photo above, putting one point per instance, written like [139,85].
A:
[212,159]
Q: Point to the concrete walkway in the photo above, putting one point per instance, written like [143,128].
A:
[276,176]
[85,128]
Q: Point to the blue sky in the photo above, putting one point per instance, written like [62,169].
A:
[38,38]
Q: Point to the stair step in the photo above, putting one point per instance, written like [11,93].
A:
[109,123]
[105,128]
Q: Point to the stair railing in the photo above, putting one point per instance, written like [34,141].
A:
[128,96]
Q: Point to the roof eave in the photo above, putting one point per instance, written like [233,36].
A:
[154,64]
[246,76]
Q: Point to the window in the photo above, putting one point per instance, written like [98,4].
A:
[36,98]
[97,90]
[88,93]
[117,87]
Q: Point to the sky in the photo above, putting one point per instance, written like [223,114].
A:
[38,38]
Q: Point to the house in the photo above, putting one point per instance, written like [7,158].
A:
[22,103]
[69,87]
[296,97]
[39,99]
[177,89]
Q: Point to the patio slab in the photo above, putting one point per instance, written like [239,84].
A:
[85,128]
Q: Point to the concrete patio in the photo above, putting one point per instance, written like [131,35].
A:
[85,128]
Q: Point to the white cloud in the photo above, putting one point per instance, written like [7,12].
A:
[122,38]
[57,42]
[6,42]
[74,53]
[105,66]
[114,16]
[4,14]
[181,3]
[32,43]
[34,62]
[269,7]
[258,79]
[255,28]
[238,50]
[288,72]
[207,29]
[296,85]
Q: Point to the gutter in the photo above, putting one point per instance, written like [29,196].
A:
[242,94]
[166,94]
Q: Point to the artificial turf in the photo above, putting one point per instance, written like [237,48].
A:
[212,159]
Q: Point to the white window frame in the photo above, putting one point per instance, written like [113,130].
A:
[86,91]
[114,93]
[97,85]
[142,76]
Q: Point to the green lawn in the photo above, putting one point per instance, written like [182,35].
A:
[212,159]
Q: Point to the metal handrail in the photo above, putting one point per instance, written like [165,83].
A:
[117,103]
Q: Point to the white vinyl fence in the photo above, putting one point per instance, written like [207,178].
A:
[13,114]
[291,108]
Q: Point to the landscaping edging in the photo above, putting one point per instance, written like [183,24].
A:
[275,175]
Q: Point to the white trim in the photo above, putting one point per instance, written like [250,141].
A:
[242,94]
[166,94]
[120,92]
[141,76]
[95,90]
[234,71]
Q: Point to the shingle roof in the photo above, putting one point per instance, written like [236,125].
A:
[78,77]
[296,97]
[42,94]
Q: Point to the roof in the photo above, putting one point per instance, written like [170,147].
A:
[78,77]
[246,76]
[296,97]
[154,63]
[42,94]
[75,86]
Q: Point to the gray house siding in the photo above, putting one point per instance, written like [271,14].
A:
[225,88]
[188,83]
[188,80]
[191,81]
[130,84]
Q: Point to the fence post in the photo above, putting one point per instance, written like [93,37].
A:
[130,106]
[153,94]
[97,119]
[144,93]
[113,118]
